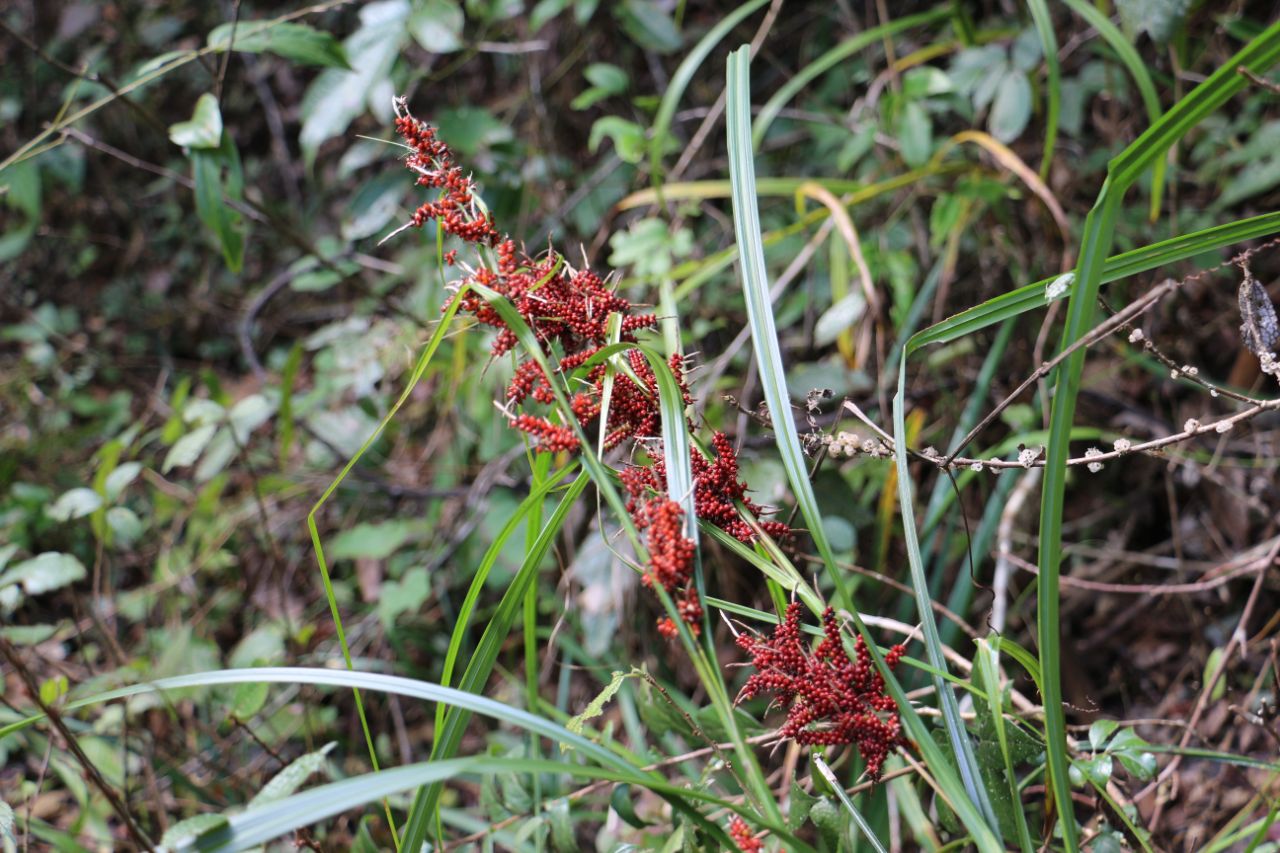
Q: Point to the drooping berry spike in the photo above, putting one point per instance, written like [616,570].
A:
[568,312]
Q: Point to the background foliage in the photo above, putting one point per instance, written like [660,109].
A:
[199,328]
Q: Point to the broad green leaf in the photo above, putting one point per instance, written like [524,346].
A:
[249,414]
[212,207]
[76,503]
[648,25]
[627,137]
[1027,50]
[649,247]
[915,134]
[125,525]
[839,318]
[1157,18]
[1012,107]
[436,25]
[1099,732]
[606,80]
[262,646]
[1141,766]
[372,206]
[44,573]
[20,189]
[544,11]
[372,540]
[337,96]
[53,689]
[291,40]
[28,635]
[1128,740]
[248,699]
[119,479]
[406,595]
[203,129]
[609,77]
[1211,665]
[187,450]
[201,411]
[471,130]
[216,457]
[923,81]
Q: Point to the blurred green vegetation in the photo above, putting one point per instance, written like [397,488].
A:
[200,325]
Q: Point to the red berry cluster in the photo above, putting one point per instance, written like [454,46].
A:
[671,556]
[830,699]
[742,836]
[455,209]
[568,311]
[716,490]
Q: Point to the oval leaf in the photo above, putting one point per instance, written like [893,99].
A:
[298,42]
[119,479]
[1012,108]
[203,129]
[915,134]
[45,573]
[187,450]
[437,26]
[839,317]
[76,503]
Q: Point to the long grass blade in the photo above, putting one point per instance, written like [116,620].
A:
[449,736]
[1032,296]
[265,823]
[863,826]
[1053,85]
[1259,55]
[680,80]
[528,508]
[769,362]
[344,795]
[420,368]
[1141,77]
[961,745]
[764,333]
[986,671]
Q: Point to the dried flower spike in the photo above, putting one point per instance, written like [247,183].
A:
[1259,328]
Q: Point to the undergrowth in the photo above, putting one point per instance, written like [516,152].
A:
[537,472]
